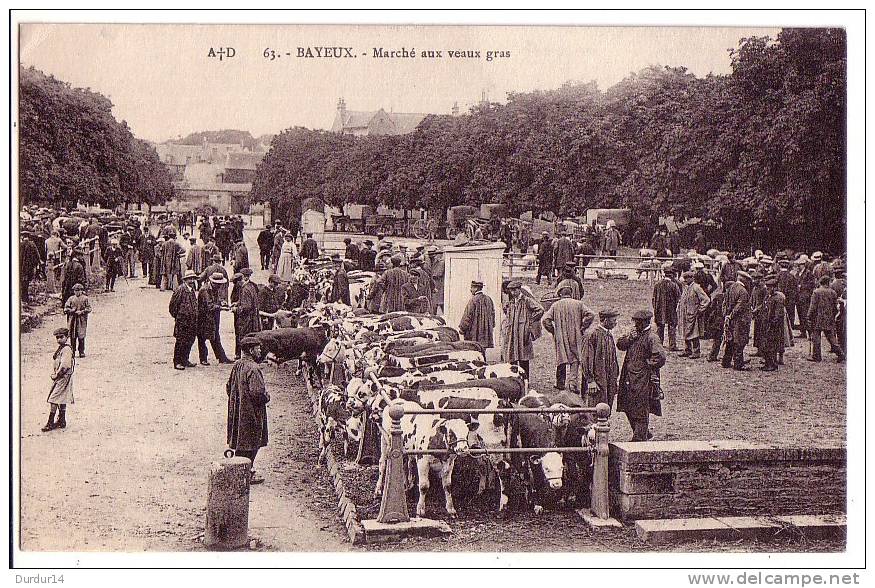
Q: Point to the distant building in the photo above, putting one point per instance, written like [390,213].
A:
[374,122]
[216,174]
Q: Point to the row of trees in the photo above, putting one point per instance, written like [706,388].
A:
[761,150]
[72,149]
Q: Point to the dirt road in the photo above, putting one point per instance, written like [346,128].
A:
[129,473]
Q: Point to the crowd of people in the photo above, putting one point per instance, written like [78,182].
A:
[696,297]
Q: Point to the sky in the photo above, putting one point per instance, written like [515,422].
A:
[163,82]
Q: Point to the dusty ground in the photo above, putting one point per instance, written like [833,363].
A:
[130,471]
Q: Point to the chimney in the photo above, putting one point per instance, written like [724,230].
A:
[341,106]
[483,97]
[455,109]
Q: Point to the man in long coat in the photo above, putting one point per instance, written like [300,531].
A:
[640,391]
[209,252]
[773,325]
[788,285]
[666,295]
[29,261]
[478,319]
[821,319]
[241,256]
[522,315]
[691,312]
[564,252]
[729,271]
[367,256]
[77,308]
[545,258]
[209,309]
[390,284]
[736,320]
[223,241]
[270,300]
[247,406]
[171,264]
[566,320]
[569,278]
[74,273]
[612,240]
[807,285]
[194,258]
[246,318]
[61,393]
[184,309]
[340,283]
[437,276]
[265,245]
[600,366]
[414,300]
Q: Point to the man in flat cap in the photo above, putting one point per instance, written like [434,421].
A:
[184,310]
[61,392]
[209,308]
[691,312]
[241,255]
[478,319]
[247,406]
[270,300]
[545,258]
[666,295]
[567,319]
[246,317]
[390,285]
[73,273]
[600,366]
[520,326]
[570,279]
[736,321]
[640,389]
[821,319]
[77,308]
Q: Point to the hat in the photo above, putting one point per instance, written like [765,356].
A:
[217,257]
[698,265]
[758,253]
[249,341]
[766,259]
[62,331]
[78,286]
[784,262]
[189,274]
[218,278]
[274,279]
[689,274]
[713,253]
[368,242]
[744,274]
[692,254]
[236,277]
[802,259]
[771,280]
[476,283]
[608,312]
[570,264]
[642,315]
[816,256]
[514,285]
[431,248]
[544,233]
[566,288]
[397,259]
[246,271]
[385,245]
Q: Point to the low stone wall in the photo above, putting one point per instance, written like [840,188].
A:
[674,479]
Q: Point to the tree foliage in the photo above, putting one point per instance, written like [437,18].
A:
[71,149]
[761,150]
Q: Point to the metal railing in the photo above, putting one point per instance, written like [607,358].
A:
[393,505]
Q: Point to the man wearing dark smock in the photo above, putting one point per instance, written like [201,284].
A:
[209,308]
[736,321]
[247,406]
[666,295]
[639,390]
[340,284]
[600,366]
[519,326]
[246,318]
[309,248]
[390,285]
[478,319]
[184,310]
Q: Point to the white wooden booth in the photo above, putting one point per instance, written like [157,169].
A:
[467,263]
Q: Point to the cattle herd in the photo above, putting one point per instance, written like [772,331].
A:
[360,364]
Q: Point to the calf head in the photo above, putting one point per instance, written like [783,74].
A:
[454,433]
[550,464]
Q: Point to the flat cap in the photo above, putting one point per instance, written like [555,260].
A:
[249,341]
[514,285]
[642,315]
[274,279]
[236,277]
[817,256]
[570,265]
[246,271]
[771,280]
[689,274]
[476,283]
[608,312]
[62,331]
[743,274]
[189,275]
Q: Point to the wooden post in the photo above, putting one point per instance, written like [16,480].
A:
[600,504]
[228,504]
[393,506]
[369,445]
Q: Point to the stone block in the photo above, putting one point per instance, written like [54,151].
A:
[376,532]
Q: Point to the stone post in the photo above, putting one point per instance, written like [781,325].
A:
[393,506]
[228,504]
[600,504]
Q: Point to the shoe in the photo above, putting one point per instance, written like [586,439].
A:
[81,354]
[254,478]
[205,363]
[224,361]
[684,353]
[178,367]
[812,359]
[189,364]
[741,369]
[769,368]
[695,355]
[712,358]
[49,427]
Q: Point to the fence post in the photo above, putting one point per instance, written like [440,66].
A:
[393,506]
[600,504]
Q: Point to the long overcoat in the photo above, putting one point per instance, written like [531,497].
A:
[644,357]
[247,407]
[209,304]
[691,311]
[666,295]
[600,365]
[478,320]
[77,309]
[519,328]
[822,309]
[183,308]
[247,320]
[567,319]
[390,284]
[736,306]
[62,376]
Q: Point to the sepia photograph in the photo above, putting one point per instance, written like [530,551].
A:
[370,288]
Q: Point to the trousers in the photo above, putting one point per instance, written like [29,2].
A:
[672,335]
[831,339]
[182,349]
[215,343]
[733,356]
[640,427]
